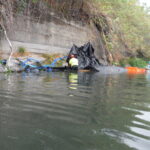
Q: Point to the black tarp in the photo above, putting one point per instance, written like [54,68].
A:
[86,57]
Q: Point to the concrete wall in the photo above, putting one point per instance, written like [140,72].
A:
[56,36]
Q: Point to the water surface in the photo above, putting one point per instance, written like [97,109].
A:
[74,111]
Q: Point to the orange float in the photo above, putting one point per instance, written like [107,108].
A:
[135,70]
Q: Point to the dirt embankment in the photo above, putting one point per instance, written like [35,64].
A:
[49,26]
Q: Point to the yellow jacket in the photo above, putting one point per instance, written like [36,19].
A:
[73,62]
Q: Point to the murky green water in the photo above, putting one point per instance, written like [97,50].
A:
[85,111]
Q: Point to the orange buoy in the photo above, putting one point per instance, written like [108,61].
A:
[135,70]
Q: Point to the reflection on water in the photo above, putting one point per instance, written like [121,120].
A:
[73,80]
[70,111]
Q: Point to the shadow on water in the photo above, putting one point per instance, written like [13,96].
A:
[70,111]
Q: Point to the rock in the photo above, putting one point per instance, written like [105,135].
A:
[2,68]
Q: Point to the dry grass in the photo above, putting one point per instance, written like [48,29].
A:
[49,58]
[17,54]
[1,55]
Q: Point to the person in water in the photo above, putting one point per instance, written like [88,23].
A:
[73,62]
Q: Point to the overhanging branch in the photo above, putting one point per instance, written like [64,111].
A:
[10,45]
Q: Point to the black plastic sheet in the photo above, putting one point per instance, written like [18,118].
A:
[85,56]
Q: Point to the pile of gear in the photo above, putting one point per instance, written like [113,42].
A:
[78,58]
[85,56]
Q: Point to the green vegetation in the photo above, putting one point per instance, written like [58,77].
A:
[130,25]
[124,25]
[123,62]
[134,62]
[137,62]
[21,50]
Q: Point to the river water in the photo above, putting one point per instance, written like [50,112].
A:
[70,111]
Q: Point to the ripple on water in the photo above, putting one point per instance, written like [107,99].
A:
[129,139]
[94,111]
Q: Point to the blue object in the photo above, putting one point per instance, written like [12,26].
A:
[3,62]
[48,67]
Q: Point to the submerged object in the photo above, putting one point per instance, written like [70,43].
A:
[111,70]
[100,70]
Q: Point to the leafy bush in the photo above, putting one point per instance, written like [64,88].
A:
[131,23]
[21,50]
[137,62]
[134,62]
